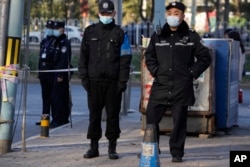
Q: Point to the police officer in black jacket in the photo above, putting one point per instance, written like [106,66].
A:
[46,62]
[62,59]
[175,57]
[104,68]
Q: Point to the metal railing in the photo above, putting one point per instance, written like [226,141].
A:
[136,31]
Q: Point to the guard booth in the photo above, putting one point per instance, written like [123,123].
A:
[201,116]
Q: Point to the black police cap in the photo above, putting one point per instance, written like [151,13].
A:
[106,6]
[59,24]
[50,24]
[177,5]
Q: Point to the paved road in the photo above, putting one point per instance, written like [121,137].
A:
[66,145]
[34,107]
[79,109]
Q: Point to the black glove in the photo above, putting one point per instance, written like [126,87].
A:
[122,86]
[85,84]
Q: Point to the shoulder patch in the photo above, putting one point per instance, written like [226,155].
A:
[90,27]
[64,49]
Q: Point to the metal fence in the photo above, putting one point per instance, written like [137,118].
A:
[136,31]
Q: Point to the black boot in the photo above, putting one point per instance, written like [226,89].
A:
[112,149]
[93,151]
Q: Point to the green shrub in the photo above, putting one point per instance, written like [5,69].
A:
[247,64]
[136,65]
[32,59]
[246,78]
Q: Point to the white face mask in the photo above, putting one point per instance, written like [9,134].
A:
[106,19]
[56,33]
[48,32]
[173,21]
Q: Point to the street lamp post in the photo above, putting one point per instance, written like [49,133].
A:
[193,14]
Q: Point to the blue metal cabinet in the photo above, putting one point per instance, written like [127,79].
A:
[226,81]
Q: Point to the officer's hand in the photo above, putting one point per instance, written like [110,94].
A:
[85,84]
[122,86]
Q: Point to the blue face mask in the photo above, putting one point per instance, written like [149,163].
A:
[48,32]
[56,33]
[106,19]
[173,21]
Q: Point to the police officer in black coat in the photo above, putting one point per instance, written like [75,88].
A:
[46,62]
[104,67]
[175,57]
[62,59]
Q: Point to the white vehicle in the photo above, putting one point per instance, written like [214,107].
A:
[34,37]
[73,33]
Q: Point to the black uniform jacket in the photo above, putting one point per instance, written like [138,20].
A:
[46,57]
[174,59]
[100,54]
[62,55]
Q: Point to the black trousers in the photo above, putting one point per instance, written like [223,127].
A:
[104,94]
[61,101]
[154,114]
[47,89]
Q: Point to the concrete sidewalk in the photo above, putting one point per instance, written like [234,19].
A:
[65,146]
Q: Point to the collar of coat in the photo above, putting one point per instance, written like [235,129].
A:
[107,26]
[60,39]
[182,30]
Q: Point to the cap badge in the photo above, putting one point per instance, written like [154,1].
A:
[105,5]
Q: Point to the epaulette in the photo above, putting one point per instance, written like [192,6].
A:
[90,28]
[118,27]
[92,25]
